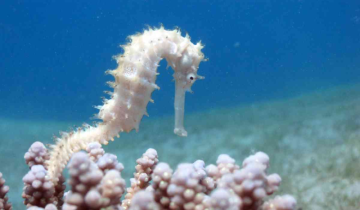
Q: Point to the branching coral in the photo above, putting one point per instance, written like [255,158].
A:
[96,183]
[4,204]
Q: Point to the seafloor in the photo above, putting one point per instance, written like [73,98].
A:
[313,141]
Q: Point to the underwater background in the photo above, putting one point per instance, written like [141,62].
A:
[282,77]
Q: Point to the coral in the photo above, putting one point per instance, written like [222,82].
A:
[142,176]
[4,204]
[39,190]
[95,151]
[37,155]
[285,202]
[96,183]
[161,180]
[144,200]
[91,187]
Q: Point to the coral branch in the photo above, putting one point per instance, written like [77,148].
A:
[39,190]
[142,176]
[4,204]
[91,187]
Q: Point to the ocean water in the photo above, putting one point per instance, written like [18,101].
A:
[282,77]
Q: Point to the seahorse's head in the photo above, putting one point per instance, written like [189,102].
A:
[185,76]
[186,73]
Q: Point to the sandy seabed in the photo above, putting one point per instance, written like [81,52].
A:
[313,141]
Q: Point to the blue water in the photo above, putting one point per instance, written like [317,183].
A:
[53,54]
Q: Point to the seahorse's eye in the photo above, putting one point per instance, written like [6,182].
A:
[191,77]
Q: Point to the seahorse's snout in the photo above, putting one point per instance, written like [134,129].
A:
[182,84]
[179,109]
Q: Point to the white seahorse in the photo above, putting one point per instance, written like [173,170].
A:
[134,82]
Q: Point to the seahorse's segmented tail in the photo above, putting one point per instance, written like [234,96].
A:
[134,82]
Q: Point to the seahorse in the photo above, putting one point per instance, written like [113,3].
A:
[134,83]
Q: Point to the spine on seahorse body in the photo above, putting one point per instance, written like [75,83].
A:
[134,82]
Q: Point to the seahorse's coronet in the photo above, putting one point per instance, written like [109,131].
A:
[135,78]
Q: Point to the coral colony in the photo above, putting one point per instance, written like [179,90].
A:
[95,176]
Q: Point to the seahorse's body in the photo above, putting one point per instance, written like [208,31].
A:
[134,82]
